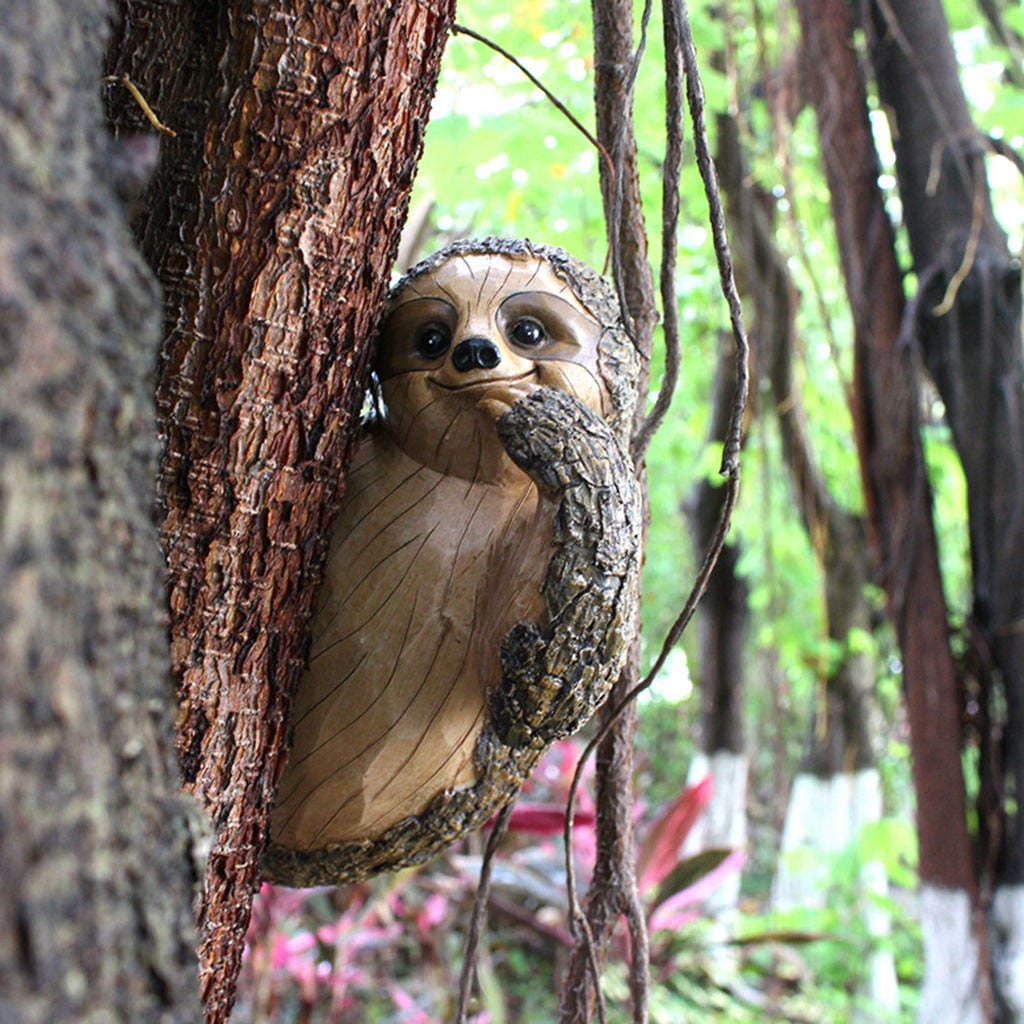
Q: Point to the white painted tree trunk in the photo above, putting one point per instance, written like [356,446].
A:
[1007,950]
[950,993]
[824,816]
[723,823]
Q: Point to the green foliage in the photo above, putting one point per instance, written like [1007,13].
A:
[949,490]
[499,158]
[663,747]
[806,965]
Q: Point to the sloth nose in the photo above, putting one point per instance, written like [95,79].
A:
[476,353]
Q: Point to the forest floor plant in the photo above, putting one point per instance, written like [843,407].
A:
[388,951]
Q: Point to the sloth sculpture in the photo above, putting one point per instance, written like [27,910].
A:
[481,585]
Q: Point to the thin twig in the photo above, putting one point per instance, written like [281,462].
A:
[141,101]
[696,593]
[970,250]
[552,98]
[595,969]
[578,923]
[618,184]
[479,911]
[640,952]
[1003,148]
[695,99]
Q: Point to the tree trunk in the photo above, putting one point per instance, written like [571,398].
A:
[613,885]
[273,224]
[899,510]
[846,738]
[94,842]
[723,624]
[968,323]
[837,789]
[723,616]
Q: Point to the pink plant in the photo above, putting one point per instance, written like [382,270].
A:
[545,819]
[675,885]
[295,952]
[659,852]
[680,909]
[540,810]
[434,911]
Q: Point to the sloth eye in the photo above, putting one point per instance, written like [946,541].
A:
[527,332]
[433,341]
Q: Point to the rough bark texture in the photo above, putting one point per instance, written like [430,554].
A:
[95,850]
[613,59]
[899,509]
[968,324]
[272,224]
[895,484]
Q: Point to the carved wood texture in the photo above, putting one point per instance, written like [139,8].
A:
[481,588]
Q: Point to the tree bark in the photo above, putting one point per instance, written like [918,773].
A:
[837,788]
[968,323]
[273,224]
[723,616]
[899,507]
[95,848]
[845,740]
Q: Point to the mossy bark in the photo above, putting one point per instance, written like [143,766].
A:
[95,848]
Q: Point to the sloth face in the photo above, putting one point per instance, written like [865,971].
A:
[464,341]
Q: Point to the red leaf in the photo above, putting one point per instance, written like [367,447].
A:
[544,819]
[659,852]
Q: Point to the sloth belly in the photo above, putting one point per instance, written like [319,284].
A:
[425,576]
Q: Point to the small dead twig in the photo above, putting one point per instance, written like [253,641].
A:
[146,109]
[462,30]
[1003,148]
[479,911]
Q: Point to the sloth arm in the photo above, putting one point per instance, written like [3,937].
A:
[557,672]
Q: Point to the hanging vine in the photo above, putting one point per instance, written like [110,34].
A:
[613,891]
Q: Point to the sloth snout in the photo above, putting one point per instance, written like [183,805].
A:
[475,353]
